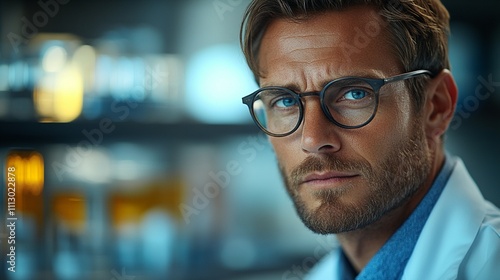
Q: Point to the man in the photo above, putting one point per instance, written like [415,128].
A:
[356,97]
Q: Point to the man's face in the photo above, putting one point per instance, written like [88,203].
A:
[344,179]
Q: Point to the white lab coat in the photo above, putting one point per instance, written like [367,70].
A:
[460,240]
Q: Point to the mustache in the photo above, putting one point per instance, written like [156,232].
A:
[327,163]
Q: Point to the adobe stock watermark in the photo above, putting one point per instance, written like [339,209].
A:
[94,137]
[222,178]
[370,31]
[362,37]
[120,276]
[471,103]
[223,6]
[299,271]
[30,28]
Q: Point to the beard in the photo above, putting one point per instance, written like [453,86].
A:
[389,185]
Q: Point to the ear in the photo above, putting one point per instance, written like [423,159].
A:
[441,100]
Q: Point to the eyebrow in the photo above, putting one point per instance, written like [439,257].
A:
[296,88]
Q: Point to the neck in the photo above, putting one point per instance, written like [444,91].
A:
[362,244]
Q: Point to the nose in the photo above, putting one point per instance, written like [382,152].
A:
[319,135]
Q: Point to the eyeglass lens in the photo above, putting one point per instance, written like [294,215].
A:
[350,102]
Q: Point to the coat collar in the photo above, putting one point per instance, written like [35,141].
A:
[450,229]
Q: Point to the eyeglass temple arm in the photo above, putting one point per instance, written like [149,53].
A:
[408,75]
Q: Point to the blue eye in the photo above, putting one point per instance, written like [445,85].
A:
[286,102]
[355,94]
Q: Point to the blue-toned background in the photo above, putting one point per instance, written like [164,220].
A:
[152,167]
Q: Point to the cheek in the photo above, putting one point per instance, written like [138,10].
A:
[401,107]
[391,126]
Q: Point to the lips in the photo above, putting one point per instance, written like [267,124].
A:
[327,178]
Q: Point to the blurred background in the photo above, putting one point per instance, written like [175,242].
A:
[135,159]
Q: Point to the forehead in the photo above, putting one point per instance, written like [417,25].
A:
[340,42]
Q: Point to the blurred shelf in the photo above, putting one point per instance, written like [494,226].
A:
[25,133]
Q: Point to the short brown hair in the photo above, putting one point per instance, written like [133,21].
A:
[419,30]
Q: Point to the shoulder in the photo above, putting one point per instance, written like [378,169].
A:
[463,232]
[483,258]
[491,221]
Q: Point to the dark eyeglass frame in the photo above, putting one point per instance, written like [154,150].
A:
[376,84]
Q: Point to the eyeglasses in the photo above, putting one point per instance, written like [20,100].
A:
[349,102]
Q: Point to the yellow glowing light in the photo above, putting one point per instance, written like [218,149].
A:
[85,59]
[70,210]
[69,95]
[54,59]
[27,168]
[58,97]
